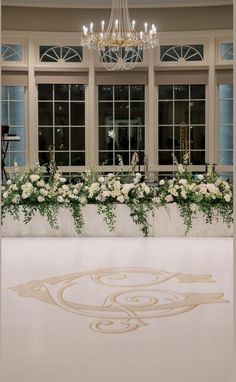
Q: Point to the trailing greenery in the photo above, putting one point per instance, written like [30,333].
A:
[30,192]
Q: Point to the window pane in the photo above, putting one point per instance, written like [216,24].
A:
[77,113]
[5,119]
[226,157]
[17,113]
[137,113]
[61,138]
[226,111]
[5,93]
[226,138]
[197,137]
[137,92]
[122,138]
[78,159]
[106,158]
[62,92]
[43,158]
[18,145]
[197,112]
[16,93]
[105,92]
[124,155]
[45,138]
[62,158]
[165,92]
[226,91]
[181,111]
[121,92]
[165,157]
[16,157]
[197,91]
[45,92]
[165,112]
[137,138]
[45,113]
[77,92]
[165,137]
[105,113]
[106,137]
[181,91]
[198,157]
[61,113]
[122,113]
[77,138]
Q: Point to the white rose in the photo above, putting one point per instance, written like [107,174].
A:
[193,207]
[106,194]
[5,195]
[82,200]
[57,176]
[227,197]
[9,182]
[180,168]
[16,199]
[101,179]
[60,199]
[62,180]
[43,192]
[40,199]
[40,183]
[169,198]
[75,191]
[34,178]
[183,181]
[65,187]
[121,199]
[162,182]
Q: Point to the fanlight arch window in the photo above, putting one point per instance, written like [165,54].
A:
[11,52]
[181,53]
[62,54]
[227,51]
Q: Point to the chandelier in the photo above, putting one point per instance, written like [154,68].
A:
[120,46]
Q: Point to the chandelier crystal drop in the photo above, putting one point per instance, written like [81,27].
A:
[121,46]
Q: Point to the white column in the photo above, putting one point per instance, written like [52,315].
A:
[234,178]
[32,123]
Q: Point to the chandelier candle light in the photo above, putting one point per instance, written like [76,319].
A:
[121,46]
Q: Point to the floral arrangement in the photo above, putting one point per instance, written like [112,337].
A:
[31,191]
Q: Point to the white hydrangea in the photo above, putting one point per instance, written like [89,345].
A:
[16,199]
[101,179]
[43,192]
[82,200]
[40,198]
[227,197]
[183,182]
[34,178]
[40,183]
[120,198]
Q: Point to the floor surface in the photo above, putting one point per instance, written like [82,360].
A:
[116,309]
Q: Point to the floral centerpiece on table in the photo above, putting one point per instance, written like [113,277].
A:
[207,193]
[31,191]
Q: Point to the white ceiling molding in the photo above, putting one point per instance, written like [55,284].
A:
[107,3]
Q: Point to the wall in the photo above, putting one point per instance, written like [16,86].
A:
[72,20]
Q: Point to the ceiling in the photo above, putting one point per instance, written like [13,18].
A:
[107,3]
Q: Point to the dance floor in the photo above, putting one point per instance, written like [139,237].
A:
[116,309]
